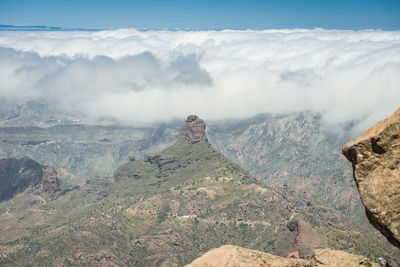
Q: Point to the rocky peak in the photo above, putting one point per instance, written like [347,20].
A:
[375,156]
[193,131]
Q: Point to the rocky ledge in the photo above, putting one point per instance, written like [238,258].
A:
[375,156]
[229,255]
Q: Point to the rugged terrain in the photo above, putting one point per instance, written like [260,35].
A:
[289,149]
[294,149]
[84,151]
[375,156]
[168,209]
[16,175]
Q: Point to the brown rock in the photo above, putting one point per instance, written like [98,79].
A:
[193,131]
[236,256]
[375,156]
[50,183]
[327,257]
[229,255]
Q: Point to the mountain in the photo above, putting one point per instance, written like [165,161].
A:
[169,208]
[278,149]
[16,175]
[294,149]
[375,156]
[375,159]
[84,151]
[71,143]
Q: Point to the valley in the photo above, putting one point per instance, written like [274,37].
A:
[170,207]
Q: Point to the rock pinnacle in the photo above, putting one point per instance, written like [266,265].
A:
[193,131]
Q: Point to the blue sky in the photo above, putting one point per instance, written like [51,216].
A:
[205,14]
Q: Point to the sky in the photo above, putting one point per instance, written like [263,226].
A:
[205,14]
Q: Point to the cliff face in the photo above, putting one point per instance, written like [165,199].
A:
[50,182]
[375,156]
[16,175]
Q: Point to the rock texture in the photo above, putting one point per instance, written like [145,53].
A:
[16,175]
[328,257]
[236,256]
[375,156]
[50,182]
[229,255]
[193,131]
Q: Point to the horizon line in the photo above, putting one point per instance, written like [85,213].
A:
[8,27]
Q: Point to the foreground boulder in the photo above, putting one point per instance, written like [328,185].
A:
[375,156]
[237,256]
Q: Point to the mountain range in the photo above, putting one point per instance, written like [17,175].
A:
[169,207]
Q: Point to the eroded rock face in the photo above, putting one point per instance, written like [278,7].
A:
[193,131]
[236,256]
[16,175]
[50,182]
[375,156]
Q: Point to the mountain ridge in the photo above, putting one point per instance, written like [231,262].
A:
[168,209]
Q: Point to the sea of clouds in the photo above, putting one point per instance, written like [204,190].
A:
[156,76]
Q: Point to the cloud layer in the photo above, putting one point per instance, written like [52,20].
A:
[151,76]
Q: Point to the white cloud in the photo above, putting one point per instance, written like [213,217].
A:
[149,76]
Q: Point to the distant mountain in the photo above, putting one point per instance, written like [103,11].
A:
[288,149]
[40,28]
[168,209]
[294,149]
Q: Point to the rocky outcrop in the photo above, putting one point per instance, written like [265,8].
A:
[329,257]
[162,164]
[375,156]
[193,131]
[50,182]
[229,255]
[236,256]
[16,175]
[165,164]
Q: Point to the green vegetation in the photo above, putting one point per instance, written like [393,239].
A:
[170,208]
[179,204]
